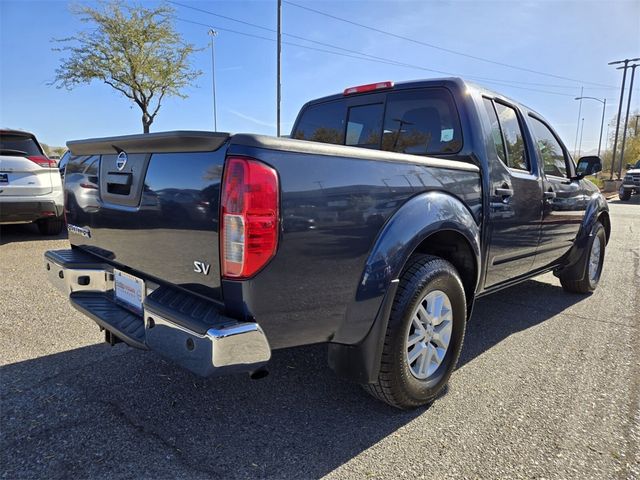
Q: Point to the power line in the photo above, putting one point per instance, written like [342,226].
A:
[437,47]
[382,59]
[372,58]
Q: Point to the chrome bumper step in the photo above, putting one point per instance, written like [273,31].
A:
[185,328]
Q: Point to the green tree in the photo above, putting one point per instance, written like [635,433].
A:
[134,50]
[51,150]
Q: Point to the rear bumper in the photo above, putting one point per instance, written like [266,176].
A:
[184,328]
[23,211]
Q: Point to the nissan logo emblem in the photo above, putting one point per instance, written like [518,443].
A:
[121,161]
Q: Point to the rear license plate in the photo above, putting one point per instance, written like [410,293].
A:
[129,290]
[4,178]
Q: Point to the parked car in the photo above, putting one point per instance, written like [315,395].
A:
[81,186]
[470,193]
[631,182]
[30,184]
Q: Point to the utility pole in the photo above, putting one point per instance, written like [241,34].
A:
[635,130]
[575,142]
[624,78]
[604,106]
[626,119]
[213,34]
[279,66]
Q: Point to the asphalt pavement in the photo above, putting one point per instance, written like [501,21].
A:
[548,387]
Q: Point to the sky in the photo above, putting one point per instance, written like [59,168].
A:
[570,39]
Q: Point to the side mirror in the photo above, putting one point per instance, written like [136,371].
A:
[630,166]
[588,166]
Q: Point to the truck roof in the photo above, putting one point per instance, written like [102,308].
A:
[431,82]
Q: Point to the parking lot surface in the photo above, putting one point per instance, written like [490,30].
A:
[548,386]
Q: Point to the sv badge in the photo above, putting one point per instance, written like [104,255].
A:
[201,267]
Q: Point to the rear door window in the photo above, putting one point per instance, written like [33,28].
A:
[496,131]
[513,138]
[18,145]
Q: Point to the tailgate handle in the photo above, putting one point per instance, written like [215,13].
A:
[123,179]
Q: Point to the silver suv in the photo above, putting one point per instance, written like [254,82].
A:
[631,182]
[30,184]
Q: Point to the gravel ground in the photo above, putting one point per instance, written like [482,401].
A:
[548,387]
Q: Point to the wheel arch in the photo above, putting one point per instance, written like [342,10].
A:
[605,220]
[454,247]
[597,210]
[436,223]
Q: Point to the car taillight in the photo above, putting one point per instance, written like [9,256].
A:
[249,217]
[370,87]
[42,161]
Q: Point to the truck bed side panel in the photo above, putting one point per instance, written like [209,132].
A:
[332,211]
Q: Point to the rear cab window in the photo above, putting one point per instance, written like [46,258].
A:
[19,145]
[363,125]
[418,121]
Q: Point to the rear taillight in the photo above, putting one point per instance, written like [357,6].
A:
[42,161]
[249,217]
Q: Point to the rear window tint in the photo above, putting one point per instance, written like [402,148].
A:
[18,145]
[323,122]
[364,124]
[420,122]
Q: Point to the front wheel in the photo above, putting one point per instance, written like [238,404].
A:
[590,264]
[624,195]
[424,336]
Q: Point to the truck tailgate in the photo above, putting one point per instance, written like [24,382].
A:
[156,211]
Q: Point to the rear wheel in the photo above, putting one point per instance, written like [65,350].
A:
[624,194]
[50,226]
[424,336]
[590,264]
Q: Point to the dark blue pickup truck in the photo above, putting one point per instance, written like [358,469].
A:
[373,229]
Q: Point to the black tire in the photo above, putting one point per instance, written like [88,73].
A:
[624,195]
[586,284]
[50,226]
[396,385]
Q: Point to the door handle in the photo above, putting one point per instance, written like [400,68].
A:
[549,195]
[504,192]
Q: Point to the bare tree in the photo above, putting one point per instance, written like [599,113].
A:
[134,50]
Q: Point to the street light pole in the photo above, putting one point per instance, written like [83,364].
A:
[575,142]
[604,106]
[212,33]
[626,119]
[581,132]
